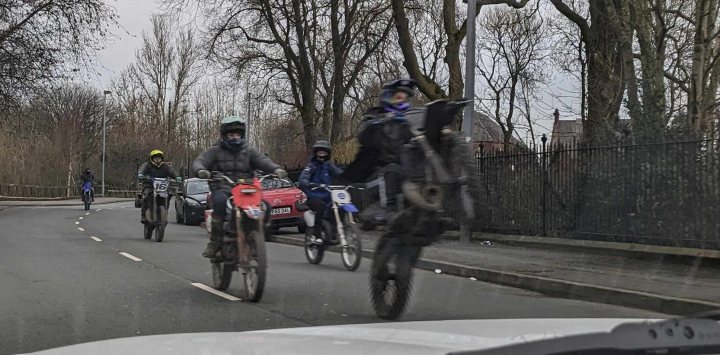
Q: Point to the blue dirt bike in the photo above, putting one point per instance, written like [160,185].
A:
[87,195]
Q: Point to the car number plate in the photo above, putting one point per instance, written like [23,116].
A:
[281,210]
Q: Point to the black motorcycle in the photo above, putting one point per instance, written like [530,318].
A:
[437,165]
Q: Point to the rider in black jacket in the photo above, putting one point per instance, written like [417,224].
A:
[155,167]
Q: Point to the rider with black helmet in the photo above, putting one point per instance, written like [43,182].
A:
[87,176]
[381,135]
[235,159]
[318,173]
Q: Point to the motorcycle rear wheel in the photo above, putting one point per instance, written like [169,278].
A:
[148,230]
[390,278]
[314,252]
[222,274]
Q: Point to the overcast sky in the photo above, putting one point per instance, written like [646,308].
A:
[134,17]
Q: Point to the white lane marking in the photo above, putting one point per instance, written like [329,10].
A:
[81,217]
[216,292]
[87,213]
[76,222]
[81,229]
[130,256]
[96,239]
[98,210]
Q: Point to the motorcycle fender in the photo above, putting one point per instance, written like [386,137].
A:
[349,207]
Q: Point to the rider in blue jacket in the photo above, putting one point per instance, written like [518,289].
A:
[318,173]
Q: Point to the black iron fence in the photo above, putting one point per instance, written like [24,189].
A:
[663,194]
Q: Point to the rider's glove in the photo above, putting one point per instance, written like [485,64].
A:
[178,179]
[203,174]
[141,176]
[281,173]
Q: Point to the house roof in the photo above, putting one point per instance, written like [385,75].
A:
[487,130]
[567,132]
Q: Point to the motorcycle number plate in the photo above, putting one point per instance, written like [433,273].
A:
[340,196]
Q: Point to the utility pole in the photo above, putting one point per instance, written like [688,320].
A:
[469,114]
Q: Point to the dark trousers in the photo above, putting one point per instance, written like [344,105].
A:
[318,206]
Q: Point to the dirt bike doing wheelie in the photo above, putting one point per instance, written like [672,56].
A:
[344,231]
[243,247]
[87,189]
[437,165]
[156,213]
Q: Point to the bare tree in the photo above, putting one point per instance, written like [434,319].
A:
[31,55]
[452,39]
[513,49]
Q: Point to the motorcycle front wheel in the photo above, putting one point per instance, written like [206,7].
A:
[254,277]
[390,278]
[352,252]
[162,221]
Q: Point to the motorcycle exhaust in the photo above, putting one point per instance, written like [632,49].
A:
[428,197]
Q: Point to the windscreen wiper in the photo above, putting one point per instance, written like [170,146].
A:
[697,334]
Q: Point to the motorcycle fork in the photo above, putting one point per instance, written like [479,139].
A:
[242,245]
[338,222]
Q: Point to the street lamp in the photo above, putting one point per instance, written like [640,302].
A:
[468,122]
[104,157]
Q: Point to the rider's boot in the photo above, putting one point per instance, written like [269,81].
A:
[216,237]
[143,216]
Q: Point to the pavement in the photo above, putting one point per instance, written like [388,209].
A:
[654,282]
[69,276]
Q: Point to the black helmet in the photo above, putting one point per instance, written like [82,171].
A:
[87,171]
[233,124]
[322,145]
[393,86]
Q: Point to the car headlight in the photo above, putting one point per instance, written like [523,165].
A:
[192,202]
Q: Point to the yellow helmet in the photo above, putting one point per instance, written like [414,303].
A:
[156,152]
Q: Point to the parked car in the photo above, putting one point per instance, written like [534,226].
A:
[284,198]
[191,201]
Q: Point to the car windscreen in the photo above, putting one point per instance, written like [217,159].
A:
[269,184]
[197,187]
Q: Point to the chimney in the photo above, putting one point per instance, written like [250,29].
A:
[556,114]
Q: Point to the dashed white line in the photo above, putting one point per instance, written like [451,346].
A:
[215,292]
[81,229]
[98,210]
[87,213]
[96,239]
[76,222]
[130,256]
[81,217]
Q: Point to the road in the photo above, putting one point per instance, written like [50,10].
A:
[61,286]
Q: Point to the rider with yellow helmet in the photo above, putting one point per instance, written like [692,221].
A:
[155,167]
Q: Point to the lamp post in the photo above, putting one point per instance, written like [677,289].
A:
[104,157]
[469,114]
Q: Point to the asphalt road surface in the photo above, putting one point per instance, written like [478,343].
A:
[63,281]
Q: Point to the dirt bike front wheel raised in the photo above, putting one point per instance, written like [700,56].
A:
[254,277]
[390,278]
[314,252]
[352,252]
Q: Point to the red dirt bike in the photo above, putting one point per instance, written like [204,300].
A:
[243,247]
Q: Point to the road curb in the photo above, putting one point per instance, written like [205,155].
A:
[554,243]
[555,287]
